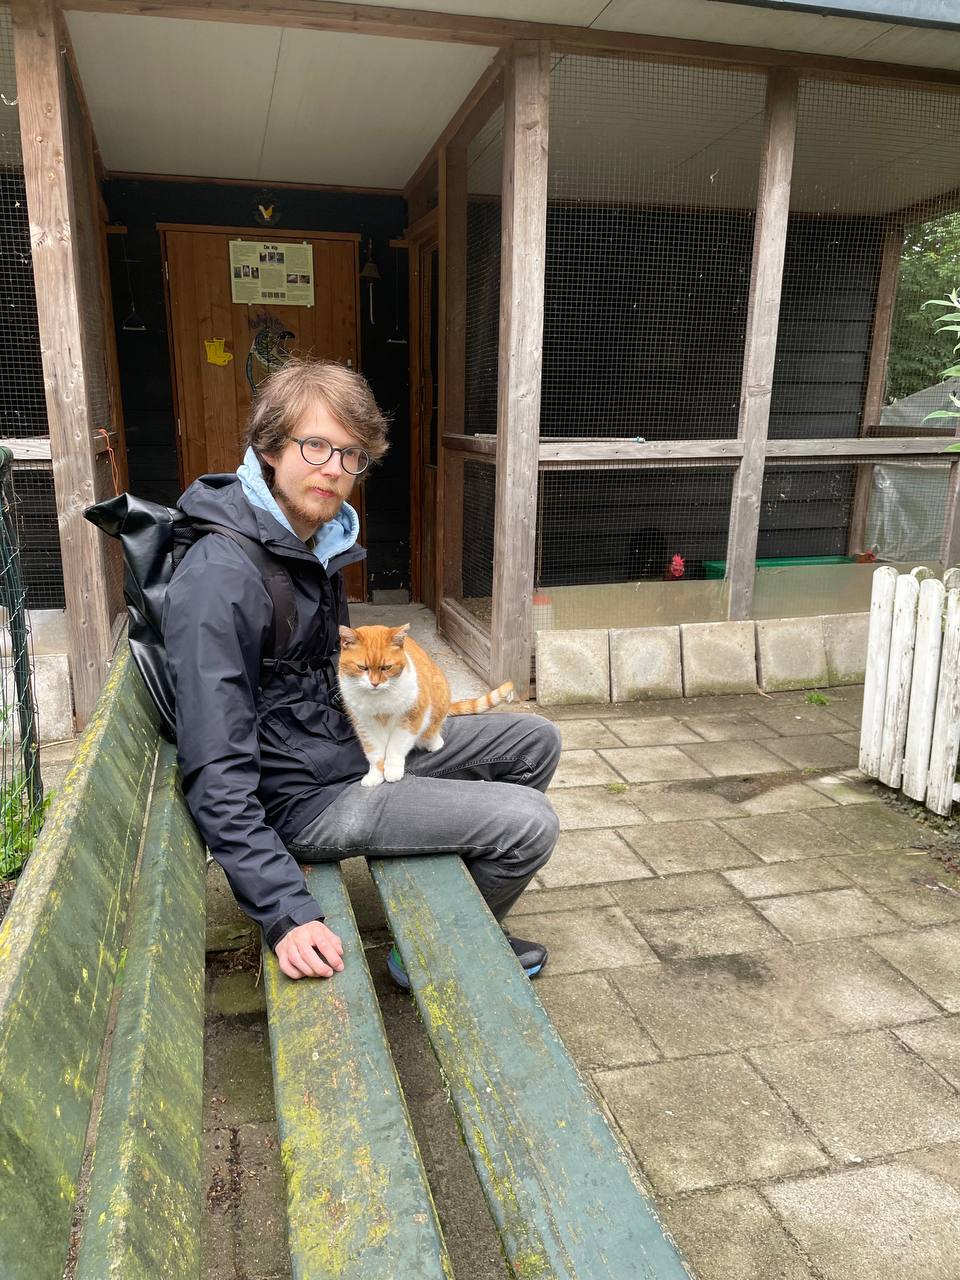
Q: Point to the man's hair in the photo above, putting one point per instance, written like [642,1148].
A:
[286,395]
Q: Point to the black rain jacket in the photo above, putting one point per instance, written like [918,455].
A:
[262,754]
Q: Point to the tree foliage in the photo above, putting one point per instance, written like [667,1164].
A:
[929,268]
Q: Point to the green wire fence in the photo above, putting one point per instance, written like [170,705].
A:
[21,787]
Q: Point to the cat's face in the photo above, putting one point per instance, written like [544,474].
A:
[372,657]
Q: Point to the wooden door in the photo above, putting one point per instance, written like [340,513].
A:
[221,349]
[424,405]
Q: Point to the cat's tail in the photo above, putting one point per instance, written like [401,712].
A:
[472,706]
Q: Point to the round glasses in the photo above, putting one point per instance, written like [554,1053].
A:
[317,451]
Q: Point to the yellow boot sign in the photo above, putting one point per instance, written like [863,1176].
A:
[215,351]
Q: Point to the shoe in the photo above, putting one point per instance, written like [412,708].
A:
[532,957]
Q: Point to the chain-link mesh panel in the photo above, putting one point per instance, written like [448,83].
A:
[864,155]
[478,504]
[484,169]
[653,175]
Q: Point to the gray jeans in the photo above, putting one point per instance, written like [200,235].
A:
[504,828]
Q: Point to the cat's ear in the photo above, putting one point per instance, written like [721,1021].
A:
[348,637]
[400,634]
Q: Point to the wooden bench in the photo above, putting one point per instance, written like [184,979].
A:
[101,1025]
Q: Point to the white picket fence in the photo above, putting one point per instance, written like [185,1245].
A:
[910,731]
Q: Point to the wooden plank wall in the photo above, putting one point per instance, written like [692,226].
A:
[50,197]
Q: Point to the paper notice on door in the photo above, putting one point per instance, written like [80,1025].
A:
[278,273]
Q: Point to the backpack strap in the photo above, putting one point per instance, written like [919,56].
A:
[277,581]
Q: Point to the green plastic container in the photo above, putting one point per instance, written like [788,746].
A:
[717,568]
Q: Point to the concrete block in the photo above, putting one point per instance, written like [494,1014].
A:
[845,641]
[48,631]
[645,663]
[791,654]
[573,666]
[718,657]
[52,691]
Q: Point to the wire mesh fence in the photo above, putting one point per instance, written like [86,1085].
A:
[21,788]
[484,165]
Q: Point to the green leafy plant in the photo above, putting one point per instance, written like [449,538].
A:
[948,322]
[816,699]
[927,269]
[19,824]
[616,788]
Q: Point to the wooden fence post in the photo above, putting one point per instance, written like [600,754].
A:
[50,203]
[875,679]
[942,774]
[903,638]
[760,346]
[923,690]
[523,255]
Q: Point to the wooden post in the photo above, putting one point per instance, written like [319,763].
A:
[453,352]
[523,255]
[876,376]
[760,346]
[46,172]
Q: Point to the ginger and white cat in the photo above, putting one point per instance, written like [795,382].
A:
[397,697]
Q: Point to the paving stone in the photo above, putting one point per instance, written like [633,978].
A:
[653,764]
[862,1095]
[721,1003]
[596,807]
[938,1043]
[535,901]
[591,857]
[576,734]
[238,1084]
[851,737]
[786,837]
[706,931]
[738,726]
[705,1122]
[732,1235]
[928,957]
[724,759]
[943,1161]
[237,993]
[873,826]
[582,769]
[908,881]
[850,713]
[785,877]
[883,1223]
[228,929]
[673,892]
[686,846]
[645,663]
[718,657]
[218,1222]
[845,786]
[786,797]
[579,941]
[262,1214]
[845,642]
[797,719]
[655,731]
[815,751]
[791,653]
[594,1021]
[836,913]
[677,801]
[573,667]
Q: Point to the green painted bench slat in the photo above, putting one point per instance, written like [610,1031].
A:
[560,1188]
[59,952]
[144,1209]
[358,1203]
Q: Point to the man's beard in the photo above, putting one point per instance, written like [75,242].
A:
[322,510]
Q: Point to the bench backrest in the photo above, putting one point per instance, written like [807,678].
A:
[60,949]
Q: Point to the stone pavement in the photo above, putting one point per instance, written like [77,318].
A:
[755,961]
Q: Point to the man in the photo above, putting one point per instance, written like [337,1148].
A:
[271,766]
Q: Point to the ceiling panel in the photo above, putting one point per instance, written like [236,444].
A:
[173,96]
[362,110]
[579,13]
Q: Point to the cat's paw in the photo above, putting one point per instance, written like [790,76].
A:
[372,779]
[393,772]
[435,743]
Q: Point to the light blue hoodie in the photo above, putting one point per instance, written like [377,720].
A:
[331,539]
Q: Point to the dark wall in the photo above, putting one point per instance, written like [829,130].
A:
[144,356]
[644,322]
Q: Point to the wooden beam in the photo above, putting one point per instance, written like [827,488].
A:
[522,265]
[479,104]
[890,253]
[418,24]
[47,178]
[122,175]
[453,360]
[467,634]
[760,346]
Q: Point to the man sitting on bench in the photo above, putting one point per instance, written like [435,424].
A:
[271,766]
